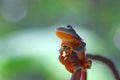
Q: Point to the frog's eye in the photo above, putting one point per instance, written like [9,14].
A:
[68,27]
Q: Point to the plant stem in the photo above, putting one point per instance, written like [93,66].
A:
[106,61]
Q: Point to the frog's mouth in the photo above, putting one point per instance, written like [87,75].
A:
[65,35]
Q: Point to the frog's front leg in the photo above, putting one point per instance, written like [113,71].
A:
[63,58]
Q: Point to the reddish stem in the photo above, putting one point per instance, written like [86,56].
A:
[83,75]
[79,75]
[76,75]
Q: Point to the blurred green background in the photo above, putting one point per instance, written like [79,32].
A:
[29,46]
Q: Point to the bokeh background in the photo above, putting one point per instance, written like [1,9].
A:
[29,46]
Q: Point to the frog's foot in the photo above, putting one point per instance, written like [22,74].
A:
[87,64]
[61,59]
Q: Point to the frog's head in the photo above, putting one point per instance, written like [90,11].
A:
[66,32]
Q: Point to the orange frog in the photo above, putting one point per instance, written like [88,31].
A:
[72,52]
